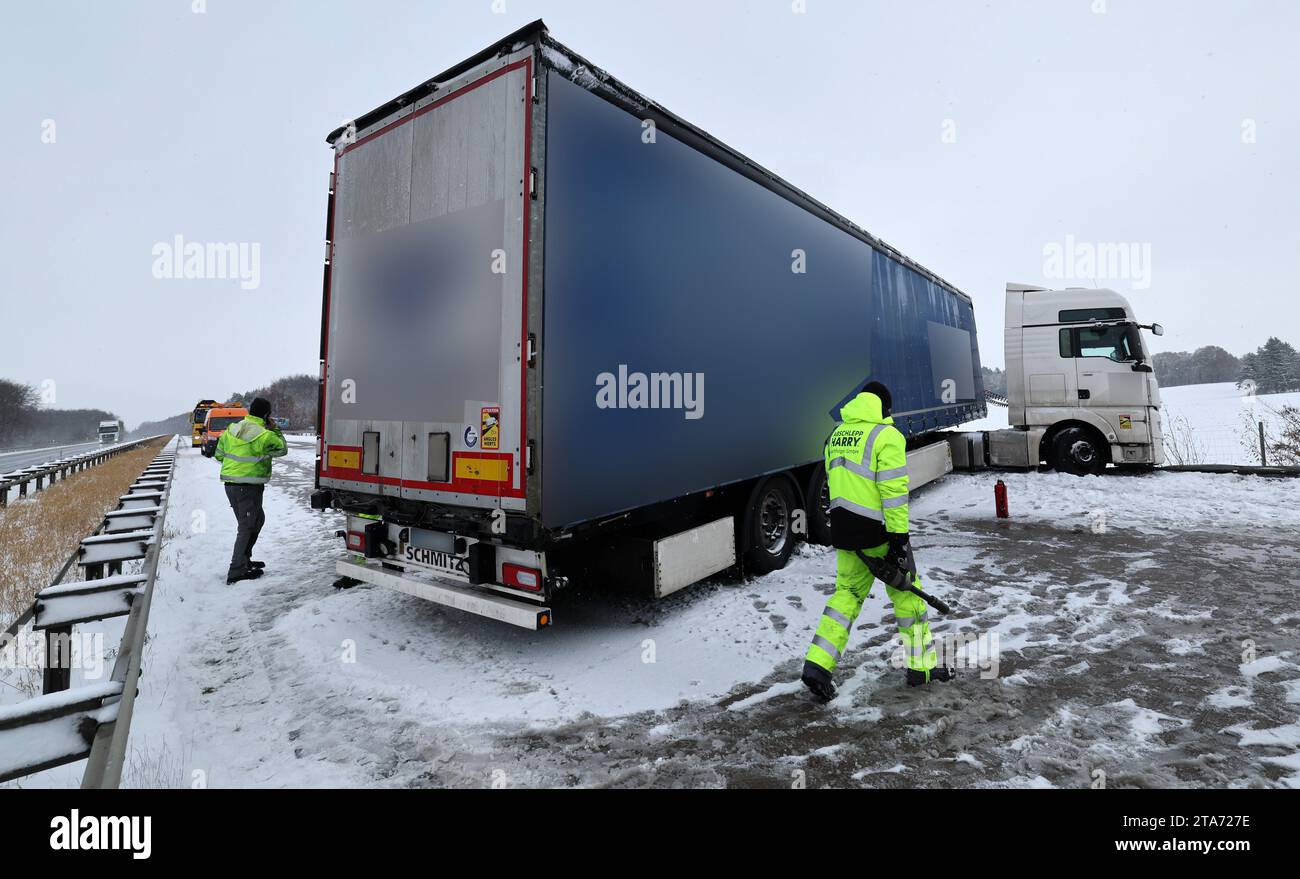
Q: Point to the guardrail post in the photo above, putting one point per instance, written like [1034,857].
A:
[1263,449]
[58,659]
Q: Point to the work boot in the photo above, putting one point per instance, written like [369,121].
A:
[942,674]
[818,680]
[258,565]
[249,574]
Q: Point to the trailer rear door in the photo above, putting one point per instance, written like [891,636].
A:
[426,308]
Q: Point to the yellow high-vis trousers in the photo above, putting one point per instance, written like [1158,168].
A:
[853,581]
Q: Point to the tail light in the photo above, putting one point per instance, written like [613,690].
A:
[519,577]
[357,541]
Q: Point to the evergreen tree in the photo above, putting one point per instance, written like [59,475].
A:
[1274,367]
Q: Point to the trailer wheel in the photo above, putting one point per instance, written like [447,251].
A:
[1078,450]
[818,513]
[767,533]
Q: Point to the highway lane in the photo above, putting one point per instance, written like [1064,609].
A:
[11,461]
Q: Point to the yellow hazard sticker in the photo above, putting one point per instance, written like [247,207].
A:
[344,460]
[1125,422]
[491,469]
[490,427]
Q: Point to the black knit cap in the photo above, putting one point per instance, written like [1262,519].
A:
[260,408]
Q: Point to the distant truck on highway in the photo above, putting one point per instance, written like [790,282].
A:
[111,432]
[1081,391]
[567,335]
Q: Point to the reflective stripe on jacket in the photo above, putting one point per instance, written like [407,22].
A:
[866,472]
[245,451]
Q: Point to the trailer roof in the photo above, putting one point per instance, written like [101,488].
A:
[575,67]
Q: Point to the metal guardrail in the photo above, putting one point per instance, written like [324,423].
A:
[60,468]
[92,722]
[1284,471]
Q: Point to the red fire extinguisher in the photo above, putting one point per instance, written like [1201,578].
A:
[1000,499]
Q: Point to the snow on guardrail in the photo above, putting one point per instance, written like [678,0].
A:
[92,722]
[51,471]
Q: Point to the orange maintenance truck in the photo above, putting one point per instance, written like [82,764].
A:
[196,421]
[217,420]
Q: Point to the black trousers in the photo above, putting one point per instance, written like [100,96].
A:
[246,501]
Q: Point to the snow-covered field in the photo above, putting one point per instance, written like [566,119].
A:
[1142,627]
[1215,422]
[1221,420]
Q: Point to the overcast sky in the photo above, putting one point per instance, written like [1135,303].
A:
[974,137]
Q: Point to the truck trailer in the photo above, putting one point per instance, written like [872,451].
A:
[567,335]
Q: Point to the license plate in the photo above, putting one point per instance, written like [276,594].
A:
[445,564]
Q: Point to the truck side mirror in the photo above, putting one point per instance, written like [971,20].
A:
[1157,329]
[1141,367]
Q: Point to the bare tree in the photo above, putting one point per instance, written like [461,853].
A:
[17,403]
[1181,445]
[1283,437]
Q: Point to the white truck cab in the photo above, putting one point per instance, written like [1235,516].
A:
[109,432]
[1081,392]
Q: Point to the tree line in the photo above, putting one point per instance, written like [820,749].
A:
[293,397]
[1274,367]
[24,423]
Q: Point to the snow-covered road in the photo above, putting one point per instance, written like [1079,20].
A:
[17,460]
[1110,627]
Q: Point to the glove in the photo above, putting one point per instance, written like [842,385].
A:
[899,544]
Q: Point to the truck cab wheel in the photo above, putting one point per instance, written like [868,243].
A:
[767,529]
[1079,451]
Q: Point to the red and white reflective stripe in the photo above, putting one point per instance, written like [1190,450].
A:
[521,578]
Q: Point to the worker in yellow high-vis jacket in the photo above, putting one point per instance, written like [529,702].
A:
[866,472]
[245,451]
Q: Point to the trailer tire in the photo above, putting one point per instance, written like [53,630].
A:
[1078,450]
[818,501]
[767,536]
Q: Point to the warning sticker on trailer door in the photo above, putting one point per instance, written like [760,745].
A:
[490,427]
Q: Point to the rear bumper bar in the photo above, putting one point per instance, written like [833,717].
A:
[476,601]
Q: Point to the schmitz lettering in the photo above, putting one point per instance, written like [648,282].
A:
[433,558]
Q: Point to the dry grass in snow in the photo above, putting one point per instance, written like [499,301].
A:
[38,534]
